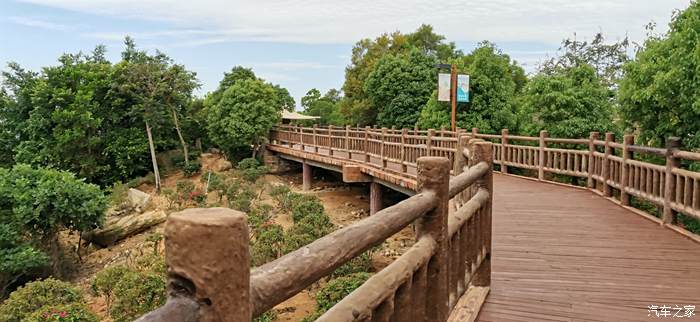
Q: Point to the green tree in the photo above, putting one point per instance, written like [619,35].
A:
[568,102]
[327,107]
[34,205]
[154,89]
[356,106]
[399,87]
[15,108]
[243,116]
[660,93]
[495,83]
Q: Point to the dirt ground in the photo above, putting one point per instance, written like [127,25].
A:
[344,203]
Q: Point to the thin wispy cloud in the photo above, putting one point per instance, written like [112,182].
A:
[341,21]
[39,23]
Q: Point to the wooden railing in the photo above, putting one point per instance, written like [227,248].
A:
[610,169]
[207,249]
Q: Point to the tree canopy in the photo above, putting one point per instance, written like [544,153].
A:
[660,93]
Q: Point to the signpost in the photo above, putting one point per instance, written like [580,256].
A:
[452,88]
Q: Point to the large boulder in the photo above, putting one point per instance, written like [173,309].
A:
[138,200]
[224,166]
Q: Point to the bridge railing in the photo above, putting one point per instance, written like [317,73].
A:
[207,250]
[610,169]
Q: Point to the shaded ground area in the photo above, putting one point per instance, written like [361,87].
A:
[565,254]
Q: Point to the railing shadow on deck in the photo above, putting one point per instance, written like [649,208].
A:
[208,259]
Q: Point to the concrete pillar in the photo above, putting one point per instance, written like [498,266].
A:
[307,176]
[375,198]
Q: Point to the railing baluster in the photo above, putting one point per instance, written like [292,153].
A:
[543,146]
[673,144]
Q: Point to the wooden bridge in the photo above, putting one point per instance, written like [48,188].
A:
[488,247]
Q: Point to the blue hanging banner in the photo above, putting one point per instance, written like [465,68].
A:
[462,88]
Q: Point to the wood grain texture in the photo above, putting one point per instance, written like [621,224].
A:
[565,254]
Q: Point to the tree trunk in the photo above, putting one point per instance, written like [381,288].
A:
[182,140]
[153,157]
[118,228]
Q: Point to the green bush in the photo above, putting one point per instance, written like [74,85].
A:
[313,316]
[74,312]
[259,215]
[132,291]
[268,316]
[150,179]
[242,199]
[39,296]
[336,289]
[268,244]
[308,206]
[359,264]
[192,169]
[251,169]
[136,294]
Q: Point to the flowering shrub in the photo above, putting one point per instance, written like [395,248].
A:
[46,300]
[75,312]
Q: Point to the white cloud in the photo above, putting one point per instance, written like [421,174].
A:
[342,21]
[39,23]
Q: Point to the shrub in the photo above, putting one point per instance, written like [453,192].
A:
[259,215]
[251,169]
[39,296]
[150,178]
[268,316]
[308,206]
[171,196]
[17,257]
[74,312]
[192,169]
[359,264]
[137,293]
[336,289]
[105,281]
[242,199]
[268,244]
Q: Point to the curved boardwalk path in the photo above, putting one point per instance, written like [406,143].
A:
[566,254]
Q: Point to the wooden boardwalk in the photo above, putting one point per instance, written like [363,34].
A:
[567,254]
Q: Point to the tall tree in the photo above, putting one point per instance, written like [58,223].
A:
[243,116]
[660,93]
[569,102]
[399,86]
[156,88]
[326,106]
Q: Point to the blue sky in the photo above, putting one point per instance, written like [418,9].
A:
[302,44]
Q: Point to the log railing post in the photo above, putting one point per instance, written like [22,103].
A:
[627,140]
[382,152]
[367,157]
[673,144]
[433,177]
[315,140]
[591,167]
[347,141]
[483,153]
[429,142]
[607,189]
[542,154]
[202,287]
[504,153]
[475,132]
[331,135]
[404,167]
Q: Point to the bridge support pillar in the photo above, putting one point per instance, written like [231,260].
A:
[306,176]
[375,198]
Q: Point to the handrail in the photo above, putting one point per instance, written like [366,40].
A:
[441,266]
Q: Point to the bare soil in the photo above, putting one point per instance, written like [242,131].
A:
[344,204]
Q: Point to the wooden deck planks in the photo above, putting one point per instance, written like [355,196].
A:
[566,254]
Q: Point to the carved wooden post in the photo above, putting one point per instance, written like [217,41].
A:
[382,152]
[627,140]
[347,141]
[483,153]
[542,154]
[367,130]
[504,153]
[315,140]
[607,189]
[433,177]
[429,142]
[306,176]
[201,286]
[591,159]
[404,132]
[375,197]
[673,144]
